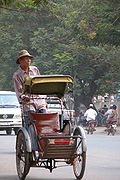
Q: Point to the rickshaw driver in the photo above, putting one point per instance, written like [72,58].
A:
[34,104]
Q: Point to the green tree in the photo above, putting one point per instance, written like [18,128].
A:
[80,38]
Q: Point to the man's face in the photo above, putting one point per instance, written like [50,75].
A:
[25,61]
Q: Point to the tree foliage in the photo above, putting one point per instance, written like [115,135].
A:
[80,38]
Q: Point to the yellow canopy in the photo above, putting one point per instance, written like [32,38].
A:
[47,84]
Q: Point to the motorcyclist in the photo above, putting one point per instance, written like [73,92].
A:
[99,118]
[90,114]
[109,111]
[112,116]
[114,111]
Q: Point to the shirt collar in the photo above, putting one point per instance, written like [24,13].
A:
[30,69]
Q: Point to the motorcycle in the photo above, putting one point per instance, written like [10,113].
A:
[112,128]
[90,127]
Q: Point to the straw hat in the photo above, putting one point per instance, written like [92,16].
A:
[23,53]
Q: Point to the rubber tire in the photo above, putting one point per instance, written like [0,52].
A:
[91,130]
[113,131]
[21,153]
[80,174]
[67,128]
[109,131]
[16,130]
[8,131]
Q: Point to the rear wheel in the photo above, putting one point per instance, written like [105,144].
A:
[80,158]
[88,130]
[91,130]
[109,130]
[67,128]
[22,156]
[113,131]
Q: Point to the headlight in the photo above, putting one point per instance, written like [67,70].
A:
[17,116]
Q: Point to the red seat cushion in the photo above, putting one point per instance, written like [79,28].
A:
[46,123]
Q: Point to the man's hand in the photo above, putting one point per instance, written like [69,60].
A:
[25,98]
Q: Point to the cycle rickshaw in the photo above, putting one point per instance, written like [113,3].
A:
[55,144]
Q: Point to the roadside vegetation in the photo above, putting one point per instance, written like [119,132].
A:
[76,37]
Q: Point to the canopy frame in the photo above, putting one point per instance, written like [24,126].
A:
[47,84]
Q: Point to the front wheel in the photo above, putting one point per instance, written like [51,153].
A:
[16,130]
[9,131]
[22,156]
[79,161]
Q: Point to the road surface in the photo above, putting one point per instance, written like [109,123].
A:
[103,160]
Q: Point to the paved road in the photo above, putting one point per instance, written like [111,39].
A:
[103,160]
[103,157]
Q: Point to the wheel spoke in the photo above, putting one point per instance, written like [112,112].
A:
[80,158]
[22,156]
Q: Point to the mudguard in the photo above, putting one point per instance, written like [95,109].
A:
[27,139]
[82,134]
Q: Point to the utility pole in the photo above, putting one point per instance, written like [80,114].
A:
[118,108]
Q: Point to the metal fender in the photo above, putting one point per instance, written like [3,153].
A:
[27,139]
[82,134]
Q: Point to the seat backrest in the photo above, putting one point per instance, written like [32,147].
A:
[46,123]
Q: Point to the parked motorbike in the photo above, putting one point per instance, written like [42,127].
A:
[112,128]
[90,127]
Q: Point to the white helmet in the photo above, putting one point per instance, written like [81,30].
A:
[91,105]
[111,105]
